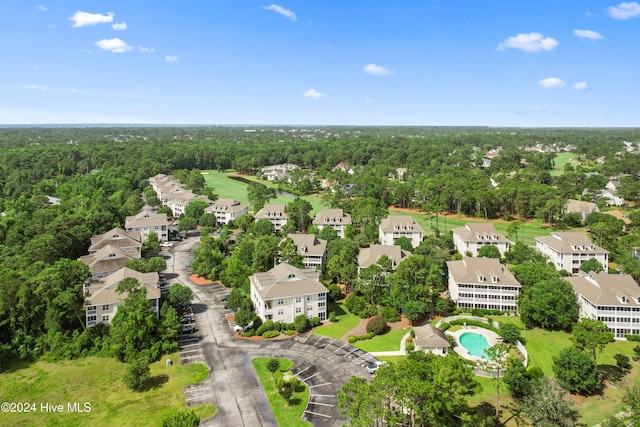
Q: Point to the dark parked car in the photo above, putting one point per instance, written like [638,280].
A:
[186,319]
[187,329]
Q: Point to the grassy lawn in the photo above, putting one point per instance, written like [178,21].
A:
[542,346]
[286,414]
[561,160]
[346,322]
[227,188]
[387,342]
[98,382]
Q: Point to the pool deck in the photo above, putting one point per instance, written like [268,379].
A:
[492,339]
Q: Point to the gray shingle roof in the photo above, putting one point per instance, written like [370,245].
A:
[428,336]
[472,232]
[104,292]
[308,244]
[468,269]
[607,289]
[284,281]
[566,242]
[332,216]
[406,221]
[369,256]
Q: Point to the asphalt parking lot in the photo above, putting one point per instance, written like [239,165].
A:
[322,363]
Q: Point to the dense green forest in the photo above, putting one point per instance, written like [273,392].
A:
[99,175]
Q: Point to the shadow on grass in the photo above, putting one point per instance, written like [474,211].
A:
[336,308]
[611,373]
[156,382]
[295,401]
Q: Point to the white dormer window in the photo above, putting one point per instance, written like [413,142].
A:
[326,219]
[279,213]
[624,299]
[481,278]
[479,236]
[487,236]
[395,226]
[495,237]
[410,227]
[494,279]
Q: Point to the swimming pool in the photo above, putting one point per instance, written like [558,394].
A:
[475,344]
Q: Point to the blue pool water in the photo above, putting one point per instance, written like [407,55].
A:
[475,344]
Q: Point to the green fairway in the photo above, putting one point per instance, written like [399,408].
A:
[286,414]
[445,223]
[561,160]
[227,188]
[98,382]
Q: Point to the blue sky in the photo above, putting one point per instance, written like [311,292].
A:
[331,62]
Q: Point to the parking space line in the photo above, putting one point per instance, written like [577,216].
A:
[315,413]
[308,378]
[318,385]
[321,404]
[332,341]
[322,395]
[199,397]
[340,348]
[189,351]
[189,345]
[303,370]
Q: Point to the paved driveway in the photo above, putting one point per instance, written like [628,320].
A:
[324,364]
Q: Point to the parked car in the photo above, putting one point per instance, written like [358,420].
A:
[224,298]
[187,329]
[372,367]
[166,244]
[186,319]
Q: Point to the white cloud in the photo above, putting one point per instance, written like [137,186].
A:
[532,110]
[531,42]
[588,34]
[41,8]
[33,87]
[581,86]
[82,19]
[113,45]
[625,10]
[312,93]
[170,58]
[119,27]
[552,82]
[146,49]
[282,11]
[376,70]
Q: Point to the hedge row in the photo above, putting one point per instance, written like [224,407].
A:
[354,338]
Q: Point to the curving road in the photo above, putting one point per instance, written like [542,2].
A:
[323,363]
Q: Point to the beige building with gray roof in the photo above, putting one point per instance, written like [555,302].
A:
[128,242]
[431,340]
[613,299]
[482,283]
[334,218]
[275,213]
[568,250]
[581,207]
[227,210]
[312,250]
[105,261]
[102,300]
[371,255]
[472,237]
[147,222]
[285,292]
[395,226]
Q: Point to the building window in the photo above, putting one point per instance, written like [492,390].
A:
[298,299]
[321,304]
[298,310]
[91,307]
[105,317]
[309,297]
[281,312]
[310,307]
[91,318]
[280,301]
[105,307]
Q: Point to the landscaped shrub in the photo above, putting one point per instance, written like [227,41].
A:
[301,322]
[352,339]
[633,337]
[288,332]
[270,334]
[509,332]
[355,304]
[364,314]
[333,317]
[377,325]
[257,322]
[457,257]
[315,321]
[471,322]
[444,326]
[410,346]
[390,314]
